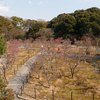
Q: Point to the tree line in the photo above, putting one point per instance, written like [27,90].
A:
[77,24]
[64,25]
[72,25]
[17,28]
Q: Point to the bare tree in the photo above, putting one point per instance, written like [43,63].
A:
[73,66]
[46,67]
[38,70]
[46,60]
[4,66]
[65,47]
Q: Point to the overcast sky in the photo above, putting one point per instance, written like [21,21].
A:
[43,9]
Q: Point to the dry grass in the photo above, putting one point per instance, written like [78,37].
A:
[84,84]
[82,50]
[61,80]
[21,58]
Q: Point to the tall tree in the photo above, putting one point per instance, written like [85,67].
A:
[5,25]
[48,33]
[94,20]
[63,25]
[76,24]
[27,24]
[35,27]
[17,22]
[83,25]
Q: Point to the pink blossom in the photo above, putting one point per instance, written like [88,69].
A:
[12,46]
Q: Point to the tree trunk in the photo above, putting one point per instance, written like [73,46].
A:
[72,73]
[39,75]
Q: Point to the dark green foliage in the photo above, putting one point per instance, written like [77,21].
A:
[12,27]
[3,44]
[5,25]
[77,23]
[5,94]
[17,21]
[47,33]
[27,24]
[73,25]
[35,27]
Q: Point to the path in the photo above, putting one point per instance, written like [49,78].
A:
[17,81]
[95,48]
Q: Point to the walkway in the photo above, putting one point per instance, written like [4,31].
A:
[22,75]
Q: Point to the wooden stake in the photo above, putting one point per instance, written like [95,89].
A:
[52,94]
[71,95]
[35,92]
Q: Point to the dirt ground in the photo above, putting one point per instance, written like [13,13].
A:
[85,83]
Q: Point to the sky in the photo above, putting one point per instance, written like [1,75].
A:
[43,9]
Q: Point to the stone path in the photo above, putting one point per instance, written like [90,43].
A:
[17,81]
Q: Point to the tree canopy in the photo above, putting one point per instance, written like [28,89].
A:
[17,21]
[77,23]
[65,25]
[35,27]
[5,25]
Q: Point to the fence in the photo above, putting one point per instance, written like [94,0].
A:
[54,94]
[53,97]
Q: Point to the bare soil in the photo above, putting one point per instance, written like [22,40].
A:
[84,84]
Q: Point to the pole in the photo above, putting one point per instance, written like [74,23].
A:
[17,67]
[26,79]
[52,94]
[21,90]
[14,71]
[71,95]
[35,92]
[23,61]
[23,85]
[93,96]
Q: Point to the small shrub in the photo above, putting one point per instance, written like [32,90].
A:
[5,94]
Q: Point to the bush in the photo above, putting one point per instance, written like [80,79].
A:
[5,94]
[3,44]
